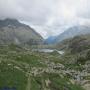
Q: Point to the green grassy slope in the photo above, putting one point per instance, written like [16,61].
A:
[26,70]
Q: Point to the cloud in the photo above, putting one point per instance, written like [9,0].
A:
[26,10]
[48,17]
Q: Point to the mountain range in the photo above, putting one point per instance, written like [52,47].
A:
[13,31]
[69,33]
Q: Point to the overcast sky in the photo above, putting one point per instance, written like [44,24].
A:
[48,17]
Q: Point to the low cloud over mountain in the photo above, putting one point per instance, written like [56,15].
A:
[48,17]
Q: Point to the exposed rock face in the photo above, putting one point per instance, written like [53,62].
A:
[12,31]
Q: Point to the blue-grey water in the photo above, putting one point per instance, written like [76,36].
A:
[49,51]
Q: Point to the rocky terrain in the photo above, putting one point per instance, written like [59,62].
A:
[12,31]
[29,70]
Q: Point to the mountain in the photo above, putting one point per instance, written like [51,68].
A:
[73,31]
[76,44]
[50,40]
[69,33]
[12,31]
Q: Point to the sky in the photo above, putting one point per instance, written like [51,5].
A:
[47,17]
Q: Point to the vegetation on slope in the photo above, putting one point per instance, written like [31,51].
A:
[27,70]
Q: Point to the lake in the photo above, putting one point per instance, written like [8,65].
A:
[49,51]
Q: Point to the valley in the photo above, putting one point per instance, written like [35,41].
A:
[28,62]
[44,44]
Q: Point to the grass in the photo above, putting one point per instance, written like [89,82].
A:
[34,84]
[11,77]
[56,82]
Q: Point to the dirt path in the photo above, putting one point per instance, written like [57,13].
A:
[28,87]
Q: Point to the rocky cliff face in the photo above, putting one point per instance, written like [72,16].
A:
[12,31]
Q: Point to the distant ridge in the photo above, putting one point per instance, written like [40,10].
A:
[70,33]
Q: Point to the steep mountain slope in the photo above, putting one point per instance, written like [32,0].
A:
[50,40]
[73,31]
[12,31]
[70,33]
